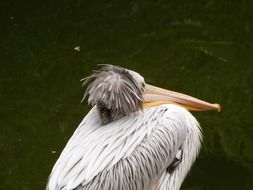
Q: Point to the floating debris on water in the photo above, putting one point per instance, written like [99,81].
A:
[77,48]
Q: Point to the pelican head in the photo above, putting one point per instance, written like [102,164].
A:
[118,92]
[115,91]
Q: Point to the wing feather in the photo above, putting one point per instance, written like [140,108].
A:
[94,149]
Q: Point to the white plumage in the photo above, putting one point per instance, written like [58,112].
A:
[131,153]
[136,137]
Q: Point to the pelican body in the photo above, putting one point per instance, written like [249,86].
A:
[136,136]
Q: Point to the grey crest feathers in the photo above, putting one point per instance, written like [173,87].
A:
[115,91]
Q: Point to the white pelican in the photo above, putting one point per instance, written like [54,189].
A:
[136,136]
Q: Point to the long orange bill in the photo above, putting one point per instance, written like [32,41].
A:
[154,96]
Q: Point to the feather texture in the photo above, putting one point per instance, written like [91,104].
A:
[116,92]
[131,153]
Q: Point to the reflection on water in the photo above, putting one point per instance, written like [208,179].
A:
[203,49]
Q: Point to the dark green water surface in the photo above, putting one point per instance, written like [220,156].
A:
[202,48]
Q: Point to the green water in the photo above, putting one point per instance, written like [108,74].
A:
[203,48]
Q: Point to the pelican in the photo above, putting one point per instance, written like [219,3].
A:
[135,137]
